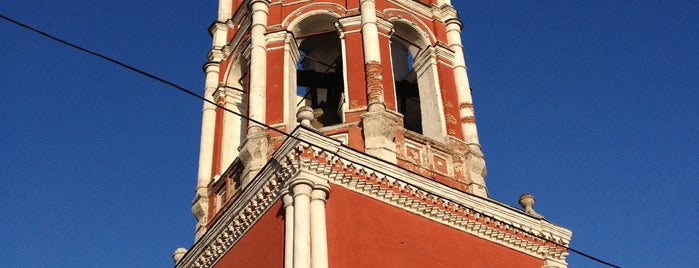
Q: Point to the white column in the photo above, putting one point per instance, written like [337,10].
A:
[200,204]
[463,89]
[224,14]
[372,55]
[288,229]
[208,124]
[301,190]
[258,61]
[370,31]
[319,237]
[225,7]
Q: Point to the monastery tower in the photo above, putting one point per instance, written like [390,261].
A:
[362,148]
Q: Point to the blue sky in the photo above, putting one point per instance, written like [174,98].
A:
[589,105]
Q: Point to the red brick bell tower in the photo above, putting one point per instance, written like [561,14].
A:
[363,149]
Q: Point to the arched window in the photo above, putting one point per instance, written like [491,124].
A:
[233,92]
[315,69]
[319,77]
[418,95]
[407,94]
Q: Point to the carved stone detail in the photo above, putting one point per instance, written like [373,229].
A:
[379,129]
[349,169]
[448,211]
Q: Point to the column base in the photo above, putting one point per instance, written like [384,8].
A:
[253,153]
[379,129]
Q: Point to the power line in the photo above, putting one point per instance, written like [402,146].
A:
[192,93]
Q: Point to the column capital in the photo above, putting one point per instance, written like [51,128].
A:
[287,199]
[454,22]
[301,186]
[364,1]
[253,2]
[321,191]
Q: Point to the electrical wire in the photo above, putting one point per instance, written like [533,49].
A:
[192,93]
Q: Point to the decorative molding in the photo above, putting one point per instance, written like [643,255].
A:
[351,22]
[486,219]
[253,202]
[468,120]
[322,8]
[366,175]
[417,7]
[466,105]
[445,12]
[399,15]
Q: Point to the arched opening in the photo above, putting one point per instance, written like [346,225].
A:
[233,91]
[319,77]
[418,95]
[405,79]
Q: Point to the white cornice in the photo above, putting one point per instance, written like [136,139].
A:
[419,8]
[485,218]
[386,182]
[236,220]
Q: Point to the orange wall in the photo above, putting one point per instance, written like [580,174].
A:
[262,245]
[363,232]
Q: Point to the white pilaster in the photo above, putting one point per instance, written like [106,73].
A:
[233,126]
[301,190]
[431,105]
[345,82]
[319,239]
[291,58]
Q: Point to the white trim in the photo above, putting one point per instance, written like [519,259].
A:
[388,183]
[434,124]
[486,218]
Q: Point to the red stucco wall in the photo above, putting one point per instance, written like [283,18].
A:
[262,245]
[363,232]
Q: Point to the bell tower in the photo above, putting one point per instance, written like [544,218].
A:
[360,116]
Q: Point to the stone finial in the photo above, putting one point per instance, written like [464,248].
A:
[527,200]
[304,116]
[178,254]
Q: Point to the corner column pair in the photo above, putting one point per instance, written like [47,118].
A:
[305,241]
